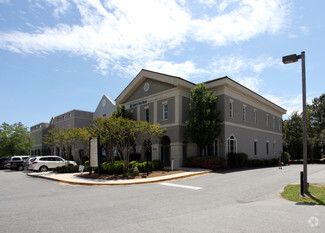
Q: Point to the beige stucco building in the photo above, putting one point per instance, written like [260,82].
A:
[251,124]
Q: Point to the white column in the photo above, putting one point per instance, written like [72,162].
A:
[138,113]
[176,154]
[155,152]
[177,109]
[155,113]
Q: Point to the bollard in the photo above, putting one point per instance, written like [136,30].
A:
[302,183]
[172,165]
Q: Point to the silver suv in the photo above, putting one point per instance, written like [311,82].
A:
[44,163]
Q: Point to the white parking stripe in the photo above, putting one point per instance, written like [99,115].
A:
[181,186]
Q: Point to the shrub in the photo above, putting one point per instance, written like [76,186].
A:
[262,163]
[285,157]
[66,169]
[237,160]
[213,163]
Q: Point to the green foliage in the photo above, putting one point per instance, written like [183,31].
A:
[204,124]
[64,139]
[66,169]
[316,127]
[237,160]
[285,157]
[122,112]
[112,168]
[152,166]
[315,196]
[121,135]
[255,163]
[14,140]
[292,135]
[213,163]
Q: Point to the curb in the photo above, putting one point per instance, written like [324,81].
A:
[119,184]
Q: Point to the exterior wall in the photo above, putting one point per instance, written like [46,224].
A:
[176,93]
[73,119]
[105,108]
[171,111]
[246,138]
[154,88]
[151,112]
[38,132]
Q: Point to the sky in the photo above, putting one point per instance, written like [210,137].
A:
[60,55]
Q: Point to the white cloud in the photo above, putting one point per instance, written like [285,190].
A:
[304,30]
[184,70]
[139,33]
[61,6]
[250,18]
[244,70]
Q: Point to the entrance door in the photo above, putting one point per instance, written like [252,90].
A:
[165,151]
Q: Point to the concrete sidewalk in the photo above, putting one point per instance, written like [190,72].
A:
[71,178]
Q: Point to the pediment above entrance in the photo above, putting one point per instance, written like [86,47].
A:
[148,83]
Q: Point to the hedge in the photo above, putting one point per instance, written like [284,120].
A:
[237,160]
[213,163]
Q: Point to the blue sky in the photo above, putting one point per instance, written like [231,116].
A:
[59,55]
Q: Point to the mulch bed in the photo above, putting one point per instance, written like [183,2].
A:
[121,177]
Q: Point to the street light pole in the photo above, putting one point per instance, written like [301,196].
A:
[304,119]
[290,59]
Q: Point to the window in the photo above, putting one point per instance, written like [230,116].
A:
[255,116]
[232,145]
[255,147]
[267,148]
[231,109]
[165,112]
[244,113]
[211,149]
[147,114]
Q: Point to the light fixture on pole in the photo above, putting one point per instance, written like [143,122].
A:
[290,59]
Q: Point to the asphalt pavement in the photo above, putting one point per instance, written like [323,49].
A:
[232,201]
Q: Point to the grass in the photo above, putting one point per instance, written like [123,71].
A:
[315,196]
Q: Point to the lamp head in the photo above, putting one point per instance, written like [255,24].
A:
[290,58]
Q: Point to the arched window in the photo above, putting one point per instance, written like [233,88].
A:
[232,145]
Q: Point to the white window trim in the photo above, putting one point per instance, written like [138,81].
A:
[244,112]
[231,108]
[235,143]
[163,110]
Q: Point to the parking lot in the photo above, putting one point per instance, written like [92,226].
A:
[238,201]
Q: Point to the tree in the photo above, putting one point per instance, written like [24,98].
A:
[292,135]
[317,125]
[106,129]
[122,134]
[64,139]
[83,136]
[122,112]
[204,124]
[14,140]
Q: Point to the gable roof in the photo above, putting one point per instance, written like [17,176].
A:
[136,82]
[226,81]
[105,106]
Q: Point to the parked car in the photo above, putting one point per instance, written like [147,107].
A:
[44,163]
[18,162]
[29,162]
[2,162]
